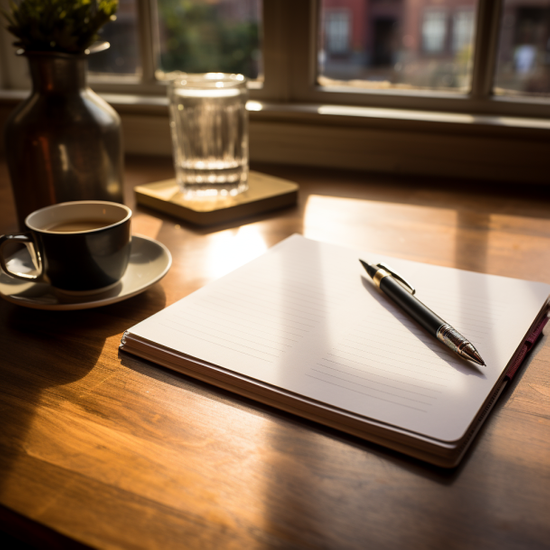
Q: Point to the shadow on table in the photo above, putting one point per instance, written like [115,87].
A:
[44,356]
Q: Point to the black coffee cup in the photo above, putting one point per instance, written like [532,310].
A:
[75,246]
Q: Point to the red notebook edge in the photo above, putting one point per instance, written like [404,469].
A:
[528,344]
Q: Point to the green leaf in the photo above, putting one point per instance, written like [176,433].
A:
[69,26]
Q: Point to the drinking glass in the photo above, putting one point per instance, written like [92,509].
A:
[209,125]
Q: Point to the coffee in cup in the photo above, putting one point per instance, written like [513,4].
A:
[76,246]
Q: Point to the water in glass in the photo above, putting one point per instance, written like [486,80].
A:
[209,124]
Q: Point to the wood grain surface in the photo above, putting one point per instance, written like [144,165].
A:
[101,449]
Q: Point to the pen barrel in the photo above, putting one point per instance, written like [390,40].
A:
[411,305]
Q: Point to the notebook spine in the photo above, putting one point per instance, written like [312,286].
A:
[527,346]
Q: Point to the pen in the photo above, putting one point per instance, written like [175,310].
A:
[393,286]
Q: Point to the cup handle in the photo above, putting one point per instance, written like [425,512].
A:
[27,240]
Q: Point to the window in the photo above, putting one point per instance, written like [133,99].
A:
[150,39]
[188,36]
[523,64]
[401,45]
[123,55]
[337,31]
[463,30]
[371,52]
[329,67]
[434,31]
[199,36]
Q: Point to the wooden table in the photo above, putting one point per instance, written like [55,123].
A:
[102,449]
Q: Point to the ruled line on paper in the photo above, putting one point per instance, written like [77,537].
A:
[225,335]
[356,390]
[245,298]
[473,318]
[459,306]
[402,350]
[476,329]
[213,335]
[409,346]
[275,332]
[248,306]
[475,333]
[369,387]
[213,332]
[359,340]
[225,346]
[308,284]
[397,363]
[361,366]
[474,304]
[300,295]
[251,316]
[392,364]
[364,333]
[241,306]
[479,330]
[338,368]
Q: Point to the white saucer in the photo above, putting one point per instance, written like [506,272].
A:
[149,263]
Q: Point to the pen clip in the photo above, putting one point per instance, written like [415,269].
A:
[396,275]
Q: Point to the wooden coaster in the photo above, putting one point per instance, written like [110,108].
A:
[264,193]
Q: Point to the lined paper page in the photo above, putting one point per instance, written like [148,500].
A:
[304,317]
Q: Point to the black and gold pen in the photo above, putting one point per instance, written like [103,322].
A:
[393,286]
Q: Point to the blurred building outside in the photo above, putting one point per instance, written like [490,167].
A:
[404,44]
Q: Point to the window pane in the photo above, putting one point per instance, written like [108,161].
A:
[122,57]
[197,36]
[523,62]
[434,30]
[396,44]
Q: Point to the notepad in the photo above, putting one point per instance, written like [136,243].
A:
[303,329]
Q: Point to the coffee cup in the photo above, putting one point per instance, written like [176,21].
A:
[75,246]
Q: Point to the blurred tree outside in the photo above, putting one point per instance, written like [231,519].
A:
[199,36]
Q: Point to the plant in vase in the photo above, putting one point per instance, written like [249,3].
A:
[63,143]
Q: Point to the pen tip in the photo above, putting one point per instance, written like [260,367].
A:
[370,269]
[473,355]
